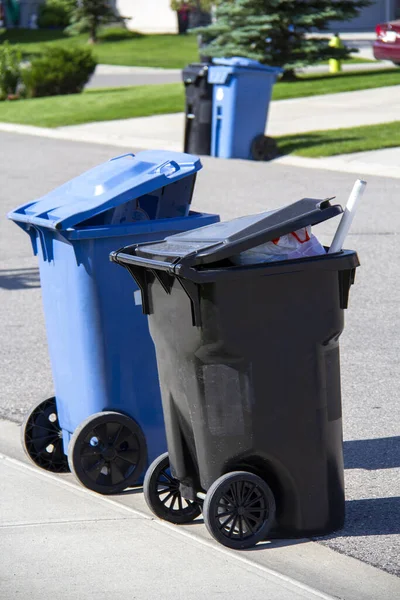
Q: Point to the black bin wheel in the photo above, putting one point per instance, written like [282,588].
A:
[107,452]
[263,148]
[239,510]
[162,494]
[41,437]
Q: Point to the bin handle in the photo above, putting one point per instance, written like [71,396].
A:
[190,288]
[167,168]
[121,258]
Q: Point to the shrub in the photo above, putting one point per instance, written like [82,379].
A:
[10,69]
[55,13]
[59,71]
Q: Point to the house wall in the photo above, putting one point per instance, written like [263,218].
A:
[148,16]
[378,12]
[27,9]
[156,16]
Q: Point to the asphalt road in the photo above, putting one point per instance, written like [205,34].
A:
[30,166]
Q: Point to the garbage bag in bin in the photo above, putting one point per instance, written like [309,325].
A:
[248,359]
[106,413]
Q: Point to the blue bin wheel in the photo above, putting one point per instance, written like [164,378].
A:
[239,510]
[107,452]
[163,497]
[41,437]
[263,148]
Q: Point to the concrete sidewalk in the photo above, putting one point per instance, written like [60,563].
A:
[114,76]
[60,540]
[296,115]
[121,76]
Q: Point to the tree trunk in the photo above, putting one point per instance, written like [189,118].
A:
[199,17]
[289,75]
[93,30]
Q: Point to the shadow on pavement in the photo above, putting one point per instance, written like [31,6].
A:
[371,516]
[19,279]
[379,453]
[130,491]
[275,542]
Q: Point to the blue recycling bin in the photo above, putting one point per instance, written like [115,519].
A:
[106,415]
[241,96]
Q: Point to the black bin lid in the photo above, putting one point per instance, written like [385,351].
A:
[219,241]
[193,72]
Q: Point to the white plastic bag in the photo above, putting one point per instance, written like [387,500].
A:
[298,244]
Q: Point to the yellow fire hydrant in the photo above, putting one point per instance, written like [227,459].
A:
[335,65]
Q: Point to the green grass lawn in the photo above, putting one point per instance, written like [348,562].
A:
[341,141]
[94,105]
[352,60]
[116,46]
[119,46]
[140,101]
[318,84]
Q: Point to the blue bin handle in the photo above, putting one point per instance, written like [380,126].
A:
[32,220]
[25,221]
[167,168]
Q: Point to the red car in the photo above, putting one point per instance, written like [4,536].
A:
[387,44]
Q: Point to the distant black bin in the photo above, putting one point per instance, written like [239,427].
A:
[248,360]
[198,109]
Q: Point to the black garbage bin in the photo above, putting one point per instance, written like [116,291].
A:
[198,109]
[248,360]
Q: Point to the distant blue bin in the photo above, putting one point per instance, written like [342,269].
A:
[102,356]
[241,96]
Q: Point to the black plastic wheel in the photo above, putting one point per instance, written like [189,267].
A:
[162,494]
[263,148]
[239,510]
[107,452]
[41,437]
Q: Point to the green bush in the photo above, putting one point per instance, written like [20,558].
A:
[59,71]
[55,13]
[10,69]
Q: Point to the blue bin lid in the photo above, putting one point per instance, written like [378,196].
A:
[247,63]
[106,186]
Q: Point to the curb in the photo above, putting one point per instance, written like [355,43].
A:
[303,565]
[337,163]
